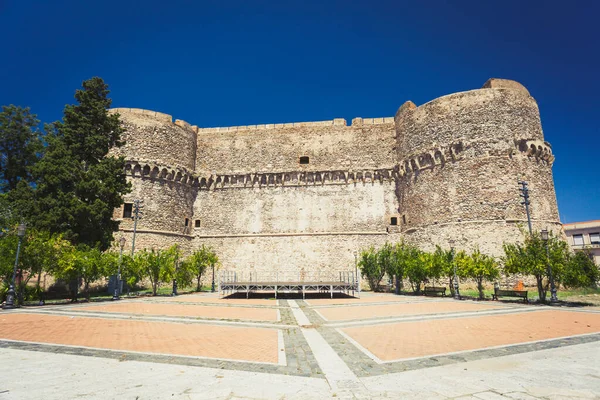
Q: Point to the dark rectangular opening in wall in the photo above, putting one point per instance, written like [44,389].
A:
[394,221]
[304,160]
[127,210]
[187,222]
[197,223]
[404,219]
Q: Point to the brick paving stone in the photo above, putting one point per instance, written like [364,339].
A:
[378,298]
[426,338]
[395,310]
[186,310]
[194,298]
[226,342]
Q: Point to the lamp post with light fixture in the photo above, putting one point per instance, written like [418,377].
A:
[456,292]
[117,284]
[10,296]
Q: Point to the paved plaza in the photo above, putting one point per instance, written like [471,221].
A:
[379,346]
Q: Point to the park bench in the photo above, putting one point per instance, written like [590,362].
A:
[434,290]
[509,293]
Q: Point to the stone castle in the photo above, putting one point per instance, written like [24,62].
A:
[305,196]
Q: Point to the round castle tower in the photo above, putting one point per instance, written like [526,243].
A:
[460,159]
[160,157]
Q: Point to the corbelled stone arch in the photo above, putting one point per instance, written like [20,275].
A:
[137,170]
[438,157]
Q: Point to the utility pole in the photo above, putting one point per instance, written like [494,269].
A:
[136,216]
[525,195]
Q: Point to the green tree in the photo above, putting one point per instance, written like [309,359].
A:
[531,258]
[39,254]
[370,268]
[386,259]
[20,146]
[445,260]
[200,261]
[481,267]
[417,268]
[580,270]
[90,264]
[79,184]
[400,259]
[185,274]
[158,265]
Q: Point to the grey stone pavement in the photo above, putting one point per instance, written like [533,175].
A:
[321,363]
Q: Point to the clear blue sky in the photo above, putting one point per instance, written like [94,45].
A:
[221,63]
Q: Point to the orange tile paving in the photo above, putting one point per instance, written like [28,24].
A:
[425,338]
[362,300]
[217,300]
[398,310]
[188,310]
[234,343]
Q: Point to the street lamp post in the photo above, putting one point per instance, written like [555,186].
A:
[356,268]
[545,238]
[10,296]
[456,292]
[213,279]
[118,282]
[174,293]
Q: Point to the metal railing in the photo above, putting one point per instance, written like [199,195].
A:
[287,276]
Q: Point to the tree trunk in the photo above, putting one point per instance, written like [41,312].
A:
[480,287]
[198,284]
[154,288]
[540,284]
[450,279]
[418,288]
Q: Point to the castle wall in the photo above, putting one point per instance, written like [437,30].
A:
[299,226]
[447,171]
[332,207]
[160,158]
[330,145]
[165,205]
[310,255]
[152,137]
[460,158]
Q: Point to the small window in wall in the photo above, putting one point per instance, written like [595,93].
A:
[578,240]
[187,222]
[127,210]
[394,221]
[197,224]
[403,219]
[595,238]
[304,160]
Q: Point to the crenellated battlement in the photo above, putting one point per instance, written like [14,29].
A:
[356,122]
[140,112]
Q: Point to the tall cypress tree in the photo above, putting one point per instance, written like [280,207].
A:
[79,184]
[20,146]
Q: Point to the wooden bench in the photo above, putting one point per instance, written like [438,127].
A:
[434,290]
[509,293]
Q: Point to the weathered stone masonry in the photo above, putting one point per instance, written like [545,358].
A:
[305,196]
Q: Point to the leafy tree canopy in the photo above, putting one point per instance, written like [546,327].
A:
[20,146]
[80,185]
